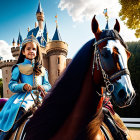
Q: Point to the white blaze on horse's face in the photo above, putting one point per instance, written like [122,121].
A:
[123,89]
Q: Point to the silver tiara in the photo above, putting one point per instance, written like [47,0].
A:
[30,38]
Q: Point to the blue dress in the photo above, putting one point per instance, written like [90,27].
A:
[11,108]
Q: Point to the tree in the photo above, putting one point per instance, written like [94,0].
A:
[130,14]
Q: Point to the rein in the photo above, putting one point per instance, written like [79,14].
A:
[97,60]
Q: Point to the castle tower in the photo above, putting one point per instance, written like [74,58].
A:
[56,53]
[5,66]
[14,43]
[40,16]
[16,50]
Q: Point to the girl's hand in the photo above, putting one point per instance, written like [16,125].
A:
[42,90]
[27,87]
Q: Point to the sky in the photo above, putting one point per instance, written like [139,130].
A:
[74,21]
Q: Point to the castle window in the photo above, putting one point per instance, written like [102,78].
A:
[6,80]
[58,60]
[58,72]
[6,71]
[7,92]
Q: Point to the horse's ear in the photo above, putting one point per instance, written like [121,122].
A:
[95,26]
[117,26]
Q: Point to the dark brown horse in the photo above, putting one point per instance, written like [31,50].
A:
[73,109]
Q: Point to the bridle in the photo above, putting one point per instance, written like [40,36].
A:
[98,61]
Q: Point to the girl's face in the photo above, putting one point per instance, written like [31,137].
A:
[30,50]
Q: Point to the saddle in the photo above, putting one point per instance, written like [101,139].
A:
[115,125]
[18,125]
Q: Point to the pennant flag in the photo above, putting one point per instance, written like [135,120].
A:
[105,13]
[56,16]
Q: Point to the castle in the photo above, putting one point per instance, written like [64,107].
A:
[54,53]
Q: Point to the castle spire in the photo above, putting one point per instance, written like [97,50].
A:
[19,41]
[107,17]
[40,16]
[107,26]
[13,42]
[56,20]
[39,10]
[45,32]
[1,58]
[56,35]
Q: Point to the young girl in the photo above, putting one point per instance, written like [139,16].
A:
[30,74]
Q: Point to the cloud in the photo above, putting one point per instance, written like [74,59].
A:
[81,10]
[85,9]
[5,50]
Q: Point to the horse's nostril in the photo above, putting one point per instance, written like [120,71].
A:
[121,94]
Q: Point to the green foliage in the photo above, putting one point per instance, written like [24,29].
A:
[134,67]
[130,14]
[1,88]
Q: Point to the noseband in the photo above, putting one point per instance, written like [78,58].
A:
[97,60]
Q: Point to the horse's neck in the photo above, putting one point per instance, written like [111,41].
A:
[86,107]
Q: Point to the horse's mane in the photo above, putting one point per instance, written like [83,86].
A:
[61,99]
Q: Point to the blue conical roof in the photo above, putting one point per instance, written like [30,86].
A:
[45,32]
[1,58]
[39,8]
[107,26]
[57,35]
[13,40]
[19,41]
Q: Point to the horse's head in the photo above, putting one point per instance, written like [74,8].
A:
[111,58]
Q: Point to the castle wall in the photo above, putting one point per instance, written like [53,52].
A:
[6,76]
[68,61]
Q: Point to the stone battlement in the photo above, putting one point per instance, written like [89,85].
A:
[13,49]
[56,47]
[7,63]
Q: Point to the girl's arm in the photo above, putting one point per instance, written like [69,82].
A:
[45,82]
[14,86]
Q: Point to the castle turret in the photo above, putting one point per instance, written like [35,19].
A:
[40,16]
[13,42]
[5,66]
[56,55]
[19,41]
[16,50]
